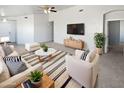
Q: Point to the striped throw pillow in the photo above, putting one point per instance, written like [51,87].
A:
[12,58]
[84,55]
[15,65]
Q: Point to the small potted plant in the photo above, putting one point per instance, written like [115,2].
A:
[36,78]
[99,41]
[45,47]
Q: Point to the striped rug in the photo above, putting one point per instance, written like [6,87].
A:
[54,68]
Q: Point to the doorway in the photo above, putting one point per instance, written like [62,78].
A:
[51,29]
[113,35]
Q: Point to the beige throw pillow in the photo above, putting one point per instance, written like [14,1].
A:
[5,73]
[90,57]
[1,51]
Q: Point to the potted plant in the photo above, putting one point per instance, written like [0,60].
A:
[99,41]
[36,78]
[45,47]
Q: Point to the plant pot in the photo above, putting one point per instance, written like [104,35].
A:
[45,49]
[37,84]
[99,51]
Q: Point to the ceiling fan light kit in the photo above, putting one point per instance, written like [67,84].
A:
[4,20]
[2,14]
[48,9]
[45,11]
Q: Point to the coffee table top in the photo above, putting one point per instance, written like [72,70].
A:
[40,52]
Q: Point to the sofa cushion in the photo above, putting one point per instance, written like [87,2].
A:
[91,55]
[15,64]
[7,50]
[5,72]
[84,55]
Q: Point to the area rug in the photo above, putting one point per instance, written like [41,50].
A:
[55,69]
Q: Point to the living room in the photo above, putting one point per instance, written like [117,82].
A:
[41,36]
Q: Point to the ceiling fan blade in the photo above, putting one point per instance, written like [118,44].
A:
[53,10]
[52,7]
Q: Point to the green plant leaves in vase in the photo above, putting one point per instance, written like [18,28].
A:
[45,47]
[99,40]
[36,76]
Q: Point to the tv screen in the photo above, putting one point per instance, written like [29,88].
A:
[77,29]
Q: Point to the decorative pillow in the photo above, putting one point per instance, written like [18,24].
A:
[1,51]
[90,57]
[5,72]
[84,55]
[15,64]
[7,50]
[78,53]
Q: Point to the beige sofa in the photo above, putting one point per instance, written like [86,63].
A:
[7,81]
[84,72]
[12,54]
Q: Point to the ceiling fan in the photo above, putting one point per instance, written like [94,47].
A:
[48,9]
[3,16]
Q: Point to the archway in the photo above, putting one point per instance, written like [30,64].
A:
[112,15]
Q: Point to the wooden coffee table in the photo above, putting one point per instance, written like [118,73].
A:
[47,82]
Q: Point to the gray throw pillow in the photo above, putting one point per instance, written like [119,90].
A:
[15,65]
[7,50]
[84,55]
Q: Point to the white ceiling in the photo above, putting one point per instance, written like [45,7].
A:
[19,10]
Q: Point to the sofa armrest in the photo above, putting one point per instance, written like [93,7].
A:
[95,69]
[17,79]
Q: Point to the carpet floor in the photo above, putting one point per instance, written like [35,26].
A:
[55,68]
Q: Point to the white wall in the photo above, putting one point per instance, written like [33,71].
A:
[92,17]
[25,29]
[42,30]
[35,28]
[115,15]
[8,29]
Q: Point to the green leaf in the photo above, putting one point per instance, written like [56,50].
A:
[36,76]
[99,40]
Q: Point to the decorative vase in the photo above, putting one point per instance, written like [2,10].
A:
[37,84]
[99,51]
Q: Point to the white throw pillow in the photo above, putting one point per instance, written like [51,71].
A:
[5,73]
[78,53]
[91,56]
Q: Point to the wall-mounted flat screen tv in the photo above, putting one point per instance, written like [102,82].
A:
[76,29]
